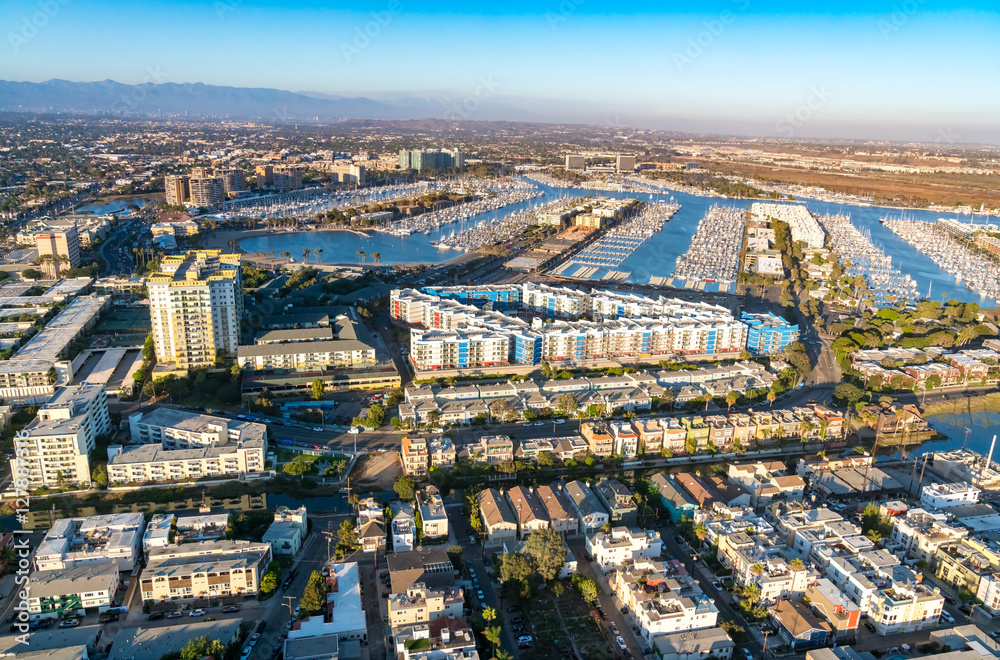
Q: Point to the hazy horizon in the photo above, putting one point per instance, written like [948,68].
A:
[903,71]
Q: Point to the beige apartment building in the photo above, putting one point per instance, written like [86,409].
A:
[178,191]
[414,453]
[196,305]
[422,604]
[210,569]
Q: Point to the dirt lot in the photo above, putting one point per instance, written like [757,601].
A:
[568,614]
[377,471]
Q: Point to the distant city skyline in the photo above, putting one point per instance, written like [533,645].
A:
[905,70]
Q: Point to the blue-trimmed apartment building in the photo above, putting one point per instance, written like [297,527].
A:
[503,298]
[767,333]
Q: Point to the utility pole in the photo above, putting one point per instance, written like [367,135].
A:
[291,601]
[763,652]
[329,538]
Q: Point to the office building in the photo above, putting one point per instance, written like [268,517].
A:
[625,163]
[575,162]
[54,449]
[196,305]
[58,250]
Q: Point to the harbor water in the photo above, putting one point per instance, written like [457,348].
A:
[982,427]
[655,257]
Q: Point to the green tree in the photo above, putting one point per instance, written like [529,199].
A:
[515,567]
[202,646]
[99,475]
[149,348]
[269,582]
[298,466]
[347,535]
[587,587]
[314,594]
[318,388]
[545,546]
[545,459]
[405,487]
[31,274]
[376,416]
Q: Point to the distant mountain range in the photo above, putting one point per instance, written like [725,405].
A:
[199,100]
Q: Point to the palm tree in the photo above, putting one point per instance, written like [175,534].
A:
[232,245]
[317,253]
[286,255]
[757,569]
[361,254]
[377,256]
[796,565]
[305,255]
[771,396]
[492,635]
[732,398]
[752,591]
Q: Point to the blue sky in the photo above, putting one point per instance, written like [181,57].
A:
[899,68]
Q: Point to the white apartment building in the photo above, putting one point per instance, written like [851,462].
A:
[622,545]
[196,304]
[626,439]
[175,445]
[801,223]
[905,607]
[404,531]
[432,514]
[989,593]
[54,449]
[80,542]
[918,534]
[944,496]
[53,593]
[661,604]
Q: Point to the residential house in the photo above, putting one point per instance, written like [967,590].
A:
[678,503]
[599,438]
[623,544]
[499,520]
[828,601]
[559,510]
[618,500]
[799,628]
[587,507]
[530,512]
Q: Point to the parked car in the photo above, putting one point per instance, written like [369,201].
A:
[155,616]
[560,421]
[524,639]
[621,643]
[174,615]
[747,653]
[197,612]
[228,609]
[253,639]
[69,623]
[614,629]
[513,608]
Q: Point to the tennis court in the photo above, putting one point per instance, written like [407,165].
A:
[125,320]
